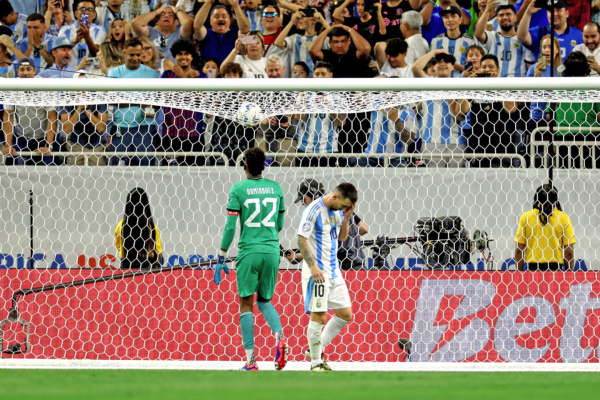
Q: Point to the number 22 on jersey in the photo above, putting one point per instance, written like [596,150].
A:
[268,202]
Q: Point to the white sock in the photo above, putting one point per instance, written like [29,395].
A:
[250,356]
[332,329]
[314,341]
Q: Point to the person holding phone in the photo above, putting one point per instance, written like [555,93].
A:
[454,40]
[85,36]
[56,16]
[249,53]
[473,61]
[591,46]
[211,68]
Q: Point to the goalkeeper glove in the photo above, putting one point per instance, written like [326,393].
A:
[220,266]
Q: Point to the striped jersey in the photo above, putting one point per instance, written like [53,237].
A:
[321,227]
[457,47]
[511,54]
[439,125]
[255,19]
[10,70]
[40,63]
[180,122]
[19,28]
[318,134]
[80,51]
[383,137]
[298,46]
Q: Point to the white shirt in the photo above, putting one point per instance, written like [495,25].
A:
[584,49]
[80,51]
[252,68]
[388,70]
[321,226]
[417,48]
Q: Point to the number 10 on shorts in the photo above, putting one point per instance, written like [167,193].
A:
[319,301]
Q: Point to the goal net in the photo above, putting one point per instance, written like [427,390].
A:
[446,173]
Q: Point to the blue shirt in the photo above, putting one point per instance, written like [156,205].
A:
[132,116]
[540,18]
[55,72]
[218,46]
[27,6]
[539,109]
[571,38]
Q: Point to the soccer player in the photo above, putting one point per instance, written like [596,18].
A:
[258,202]
[324,222]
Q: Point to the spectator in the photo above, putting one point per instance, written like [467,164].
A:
[109,56]
[433,23]
[440,131]
[212,64]
[17,22]
[275,67]
[301,70]
[479,7]
[504,43]
[391,58]
[367,26]
[107,13]
[132,121]
[579,13]
[85,35]
[232,71]
[568,36]
[346,62]
[591,46]
[25,6]
[62,52]
[545,234]
[392,14]
[218,41]
[119,32]
[253,11]
[492,127]
[37,42]
[453,41]
[56,16]
[474,55]
[137,237]
[298,44]
[250,56]
[318,133]
[7,60]
[429,68]
[539,18]
[29,128]
[173,24]
[272,24]
[85,125]
[152,58]
[411,30]
[183,130]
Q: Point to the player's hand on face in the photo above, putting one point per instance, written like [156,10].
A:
[349,210]
[317,274]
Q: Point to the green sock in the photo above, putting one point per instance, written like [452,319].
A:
[247,324]
[271,316]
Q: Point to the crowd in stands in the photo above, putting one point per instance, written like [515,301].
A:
[254,39]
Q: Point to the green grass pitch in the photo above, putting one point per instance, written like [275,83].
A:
[156,384]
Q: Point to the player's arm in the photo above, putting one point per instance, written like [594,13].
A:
[363,228]
[345,229]
[233,211]
[315,271]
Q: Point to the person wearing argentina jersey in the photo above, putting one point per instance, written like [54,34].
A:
[453,41]
[84,34]
[297,44]
[323,223]
[391,131]
[17,22]
[37,43]
[106,14]
[504,44]
[253,11]
[8,68]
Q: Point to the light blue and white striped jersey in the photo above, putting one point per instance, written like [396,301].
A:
[298,46]
[255,19]
[510,52]
[439,125]
[19,28]
[40,63]
[80,51]
[317,134]
[321,227]
[384,139]
[10,70]
[457,47]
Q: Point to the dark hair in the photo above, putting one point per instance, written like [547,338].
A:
[232,68]
[255,161]
[5,8]
[339,31]
[347,191]
[275,6]
[430,64]
[396,46]
[76,3]
[5,30]
[215,60]
[546,200]
[323,64]
[449,58]
[183,45]
[139,231]
[576,65]
[134,42]
[490,57]
[36,17]
[304,66]
[506,7]
[220,6]
[593,23]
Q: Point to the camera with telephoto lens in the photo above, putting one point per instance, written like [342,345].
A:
[381,250]
[444,240]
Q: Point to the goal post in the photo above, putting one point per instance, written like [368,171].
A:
[437,264]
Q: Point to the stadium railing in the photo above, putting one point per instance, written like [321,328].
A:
[87,155]
[545,144]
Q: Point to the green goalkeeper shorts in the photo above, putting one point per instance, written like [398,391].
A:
[257,273]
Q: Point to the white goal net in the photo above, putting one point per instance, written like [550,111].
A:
[448,176]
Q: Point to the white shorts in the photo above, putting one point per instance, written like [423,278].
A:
[331,295]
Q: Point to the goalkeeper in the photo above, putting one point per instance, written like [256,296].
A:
[258,202]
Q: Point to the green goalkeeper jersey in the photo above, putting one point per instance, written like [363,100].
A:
[259,204]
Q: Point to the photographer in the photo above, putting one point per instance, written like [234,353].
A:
[350,251]
[545,234]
